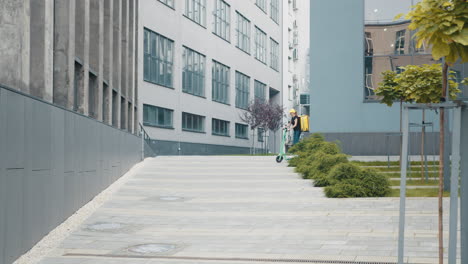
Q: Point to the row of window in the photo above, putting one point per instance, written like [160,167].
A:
[163,117]
[196,11]
[158,65]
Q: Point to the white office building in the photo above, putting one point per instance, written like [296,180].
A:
[296,56]
[201,63]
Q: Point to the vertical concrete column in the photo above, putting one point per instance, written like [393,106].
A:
[82,54]
[101,63]
[464,187]
[14,47]
[108,58]
[41,48]
[64,52]
[124,65]
[95,59]
[131,66]
[117,22]
[135,61]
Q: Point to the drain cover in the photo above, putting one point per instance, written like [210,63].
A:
[105,226]
[152,248]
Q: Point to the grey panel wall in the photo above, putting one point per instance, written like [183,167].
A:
[52,162]
[162,147]
[464,187]
[378,144]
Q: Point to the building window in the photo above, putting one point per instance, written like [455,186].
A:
[262,4]
[193,73]
[222,20]
[260,134]
[193,123]
[242,131]
[274,9]
[220,127]
[242,90]
[274,54]
[243,33]
[157,116]
[158,59]
[260,45]
[220,83]
[369,44]
[196,11]
[169,3]
[400,42]
[259,90]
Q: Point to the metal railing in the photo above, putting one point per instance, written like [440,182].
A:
[147,149]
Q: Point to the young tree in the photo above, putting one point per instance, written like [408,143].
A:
[419,84]
[264,115]
[442,24]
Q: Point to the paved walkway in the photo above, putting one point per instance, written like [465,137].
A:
[241,210]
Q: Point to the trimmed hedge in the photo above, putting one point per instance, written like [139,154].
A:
[324,163]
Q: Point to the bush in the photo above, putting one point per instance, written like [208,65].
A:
[345,171]
[324,163]
[322,180]
[376,184]
[344,190]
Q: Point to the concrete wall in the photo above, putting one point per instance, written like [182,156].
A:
[70,53]
[172,24]
[52,162]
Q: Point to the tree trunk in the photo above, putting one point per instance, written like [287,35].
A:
[441,164]
[423,134]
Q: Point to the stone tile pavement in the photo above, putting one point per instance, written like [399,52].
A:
[242,210]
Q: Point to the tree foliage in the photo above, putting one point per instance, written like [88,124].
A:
[263,114]
[416,83]
[443,25]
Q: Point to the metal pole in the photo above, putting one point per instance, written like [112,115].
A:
[404,166]
[456,139]
[142,143]
[464,187]
[447,139]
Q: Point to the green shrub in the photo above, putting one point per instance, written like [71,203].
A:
[345,171]
[308,145]
[322,180]
[344,190]
[376,184]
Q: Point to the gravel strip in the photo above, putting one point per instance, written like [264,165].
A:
[56,236]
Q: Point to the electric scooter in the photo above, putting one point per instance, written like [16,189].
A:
[284,140]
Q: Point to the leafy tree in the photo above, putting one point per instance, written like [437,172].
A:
[443,25]
[262,114]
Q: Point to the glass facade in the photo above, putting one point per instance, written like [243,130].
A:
[242,90]
[222,20]
[260,134]
[274,9]
[193,72]
[157,116]
[260,45]
[242,131]
[196,11]
[262,4]
[259,91]
[220,127]
[168,2]
[274,54]
[158,59]
[388,43]
[243,33]
[220,83]
[193,123]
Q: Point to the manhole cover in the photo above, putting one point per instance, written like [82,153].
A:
[105,226]
[171,198]
[152,248]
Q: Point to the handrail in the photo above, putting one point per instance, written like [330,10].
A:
[146,139]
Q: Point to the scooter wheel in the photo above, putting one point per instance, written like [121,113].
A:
[279,159]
